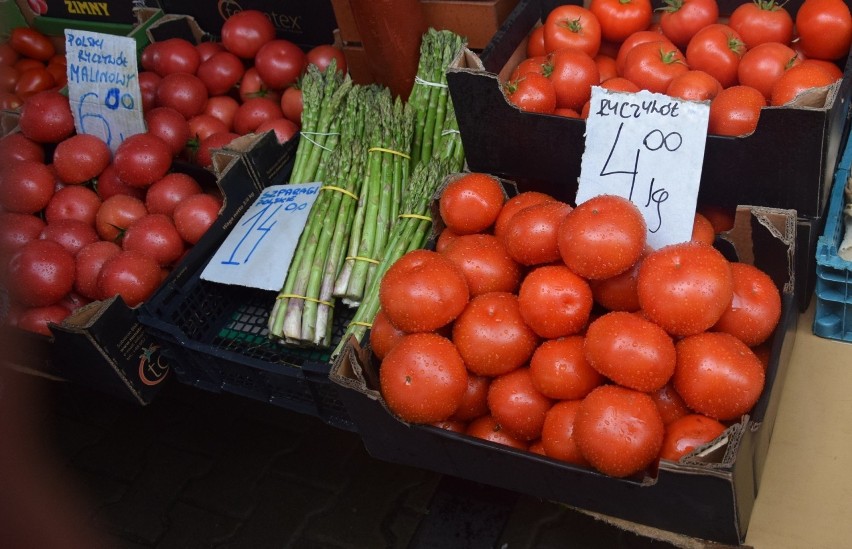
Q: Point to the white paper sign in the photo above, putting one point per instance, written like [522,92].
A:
[258,250]
[649,148]
[103,85]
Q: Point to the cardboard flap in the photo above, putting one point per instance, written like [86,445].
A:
[175,26]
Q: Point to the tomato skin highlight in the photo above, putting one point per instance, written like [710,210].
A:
[687,433]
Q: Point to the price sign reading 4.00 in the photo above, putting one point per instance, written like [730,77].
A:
[649,148]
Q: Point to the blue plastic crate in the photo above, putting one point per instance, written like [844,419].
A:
[833,317]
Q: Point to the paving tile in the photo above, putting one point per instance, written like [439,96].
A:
[321,455]
[191,527]
[282,506]
[88,406]
[98,490]
[140,515]
[70,435]
[230,485]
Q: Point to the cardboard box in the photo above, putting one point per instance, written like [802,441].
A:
[308,23]
[477,20]
[788,162]
[710,499]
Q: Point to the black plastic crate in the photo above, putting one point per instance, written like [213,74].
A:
[216,338]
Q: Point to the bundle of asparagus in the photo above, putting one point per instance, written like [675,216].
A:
[435,129]
[386,178]
[409,232]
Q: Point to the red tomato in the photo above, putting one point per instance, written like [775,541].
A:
[206,50]
[16,229]
[797,80]
[451,425]
[606,67]
[176,55]
[40,273]
[221,72]
[116,214]
[688,433]
[621,18]
[244,32]
[517,405]
[474,403]
[444,240]
[471,203]
[283,129]
[535,42]
[531,235]
[148,57]
[9,101]
[165,194]
[618,430]
[203,156]
[31,43]
[17,146]
[423,291]
[735,111]
[8,55]
[557,433]
[26,186]
[72,234]
[554,301]
[618,293]
[88,263]
[572,26]
[142,159]
[195,215]
[488,428]
[484,262]
[37,319]
[323,55]
[717,375]
[574,73]
[602,237]
[201,126]
[154,235]
[539,65]
[80,158]
[423,378]
[491,335]
[764,64]
[46,117]
[633,40]
[131,275]
[531,93]
[716,49]
[694,85]
[685,287]
[149,81]
[279,63]
[224,108]
[183,92]
[669,403]
[251,85]
[8,78]
[33,81]
[824,28]
[761,22]
[59,73]
[109,184]
[653,65]
[559,369]
[721,217]
[291,104]
[631,351]
[516,204]
[255,111]
[383,335]
[702,230]
[755,308]
[170,126]
[681,19]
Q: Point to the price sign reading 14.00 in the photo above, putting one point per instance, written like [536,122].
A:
[649,148]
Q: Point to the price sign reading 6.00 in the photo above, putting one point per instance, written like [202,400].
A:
[649,148]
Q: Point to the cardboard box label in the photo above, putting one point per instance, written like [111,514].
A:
[258,251]
[648,148]
[103,85]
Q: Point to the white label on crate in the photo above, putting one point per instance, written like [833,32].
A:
[103,85]
[649,148]
[258,250]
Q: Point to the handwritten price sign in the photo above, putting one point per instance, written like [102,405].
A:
[649,148]
[258,250]
[103,85]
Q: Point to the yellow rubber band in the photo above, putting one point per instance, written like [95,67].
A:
[381,149]
[359,323]
[339,189]
[416,216]
[293,296]
[367,259]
